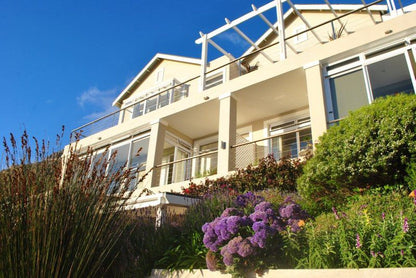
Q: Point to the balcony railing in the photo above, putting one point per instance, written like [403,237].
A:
[181,170]
[177,91]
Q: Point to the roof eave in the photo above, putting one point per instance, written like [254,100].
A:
[159,56]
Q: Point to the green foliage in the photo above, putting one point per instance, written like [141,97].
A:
[373,231]
[370,148]
[144,244]
[269,173]
[55,221]
[188,251]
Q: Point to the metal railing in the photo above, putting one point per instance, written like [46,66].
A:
[183,169]
[290,144]
[117,117]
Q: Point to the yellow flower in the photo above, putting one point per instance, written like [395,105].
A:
[301,223]
[412,194]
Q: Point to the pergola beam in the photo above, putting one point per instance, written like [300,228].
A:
[239,20]
[304,20]
[274,29]
[369,13]
[336,16]
[219,48]
[245,37]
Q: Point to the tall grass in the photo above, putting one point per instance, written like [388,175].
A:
[58,221]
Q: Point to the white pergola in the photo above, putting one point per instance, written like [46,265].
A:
[279,28]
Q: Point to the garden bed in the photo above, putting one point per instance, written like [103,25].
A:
[298,273]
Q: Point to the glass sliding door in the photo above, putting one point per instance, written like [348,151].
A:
[181,169]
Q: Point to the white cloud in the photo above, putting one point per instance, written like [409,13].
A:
[234,38]
[95,100]
[96,97]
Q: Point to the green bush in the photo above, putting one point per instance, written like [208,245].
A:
[373,231]
[269,173]
[188,251]
[370,148]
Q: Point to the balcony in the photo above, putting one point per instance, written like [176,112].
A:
[335,22]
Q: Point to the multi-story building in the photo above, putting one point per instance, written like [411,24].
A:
[195,118]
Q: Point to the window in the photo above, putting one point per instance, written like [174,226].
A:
[174,155]
[157,100]
[390,76]
[348,93]
[302,37]
[159,75]
[214,79]
[208,163]
[356,82]
[290,138]
[126,154]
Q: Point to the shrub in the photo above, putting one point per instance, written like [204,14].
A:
[374,231]
[188,250]
[269,173]
[57,222]
[370,148]
[248,236]
[143,244]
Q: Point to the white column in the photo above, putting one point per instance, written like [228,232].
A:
[281,29]
[316,99]
[226,134]
[204,61]
[155,153]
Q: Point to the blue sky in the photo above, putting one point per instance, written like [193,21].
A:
[63,62]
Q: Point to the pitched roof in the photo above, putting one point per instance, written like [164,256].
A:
[154,62]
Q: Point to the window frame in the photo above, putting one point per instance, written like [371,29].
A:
[362,64]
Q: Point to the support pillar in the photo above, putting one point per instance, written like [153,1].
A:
[316,99]
[204,61]
[155,153]
[281,30]
[226,134]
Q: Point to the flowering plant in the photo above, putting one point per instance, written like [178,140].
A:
[247,236]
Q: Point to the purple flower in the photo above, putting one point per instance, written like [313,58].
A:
[287,211]
[245,248]
[259,239]
[263,206]
[231,212]
[248,199]
[233,245]
[373,254]
[258,216]
[334,210]
[357,242]
[402,252]
[383,216]
[227,257]
[405,225]
[233,224]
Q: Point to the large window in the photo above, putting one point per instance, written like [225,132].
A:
[348,92]
[290,138]
[359,80]
[130,154]
[208,163]
[157,100]
[176,167]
